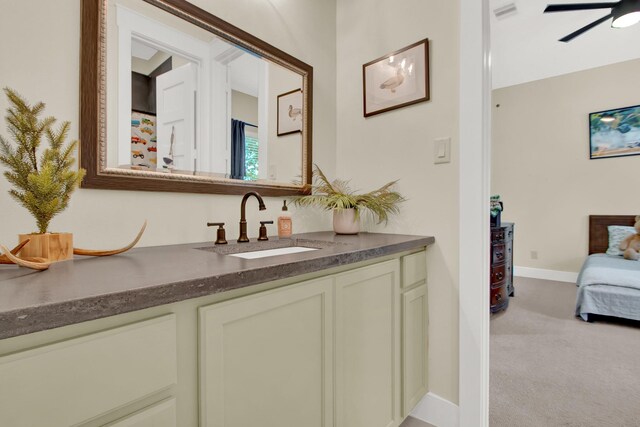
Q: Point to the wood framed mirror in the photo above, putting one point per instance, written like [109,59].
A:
[173,98]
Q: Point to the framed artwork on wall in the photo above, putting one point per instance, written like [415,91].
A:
[614,133]
[290,112]
[396,80]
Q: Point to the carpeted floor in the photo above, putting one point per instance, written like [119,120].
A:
[548,368]
[414,422]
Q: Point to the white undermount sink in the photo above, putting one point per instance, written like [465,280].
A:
[257,249]
[272,252]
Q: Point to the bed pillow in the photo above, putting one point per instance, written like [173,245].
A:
[617,233]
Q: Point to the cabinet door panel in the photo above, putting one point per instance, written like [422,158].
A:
[367,347]
[414,347]
[72,381]
[162,414]
[267,360]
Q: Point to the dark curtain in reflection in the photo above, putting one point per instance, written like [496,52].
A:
[237,149]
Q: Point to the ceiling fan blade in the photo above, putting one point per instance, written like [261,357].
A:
[585,28]
[578,6]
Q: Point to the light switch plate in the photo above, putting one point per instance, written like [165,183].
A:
[442,150]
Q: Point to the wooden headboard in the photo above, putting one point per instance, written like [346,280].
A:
[598,234]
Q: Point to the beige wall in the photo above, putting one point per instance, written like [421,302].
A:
[244,107]
[45,66]
[393,145]
[541,165]
[399,145]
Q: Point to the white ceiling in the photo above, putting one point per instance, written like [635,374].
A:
[141,50]
[245,74]
[244,68]
[525,46]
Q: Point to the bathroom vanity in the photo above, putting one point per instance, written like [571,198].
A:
[193,335]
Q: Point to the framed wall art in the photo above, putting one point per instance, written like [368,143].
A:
[614,133]
[396,80]
[290,112]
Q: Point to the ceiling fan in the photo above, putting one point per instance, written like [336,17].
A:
[624,12]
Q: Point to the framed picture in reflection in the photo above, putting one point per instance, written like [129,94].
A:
[396,80]
[290,112]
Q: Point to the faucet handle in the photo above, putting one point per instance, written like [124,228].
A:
[221,237]
[263,230]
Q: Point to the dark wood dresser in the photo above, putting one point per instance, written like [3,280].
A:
[501,266]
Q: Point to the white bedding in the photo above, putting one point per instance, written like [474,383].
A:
[600,269]
[609,286]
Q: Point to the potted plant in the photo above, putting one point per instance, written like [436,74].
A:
[347,206]
[496,208]
[42,180]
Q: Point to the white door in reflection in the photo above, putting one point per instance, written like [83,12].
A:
[176,104]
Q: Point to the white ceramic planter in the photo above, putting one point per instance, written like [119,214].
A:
[345,221]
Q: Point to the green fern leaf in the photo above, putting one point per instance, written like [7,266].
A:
[337,194]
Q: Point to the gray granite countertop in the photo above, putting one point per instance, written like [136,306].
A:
[90,288]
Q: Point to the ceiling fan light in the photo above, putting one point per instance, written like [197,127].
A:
[626,14]
[626,20]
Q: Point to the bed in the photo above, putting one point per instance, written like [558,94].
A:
[608,285]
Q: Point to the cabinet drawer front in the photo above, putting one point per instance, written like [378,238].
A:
[414,269]
[72,381]
[498,253]
[162,414]
[498,235]
[499,297]
[498,274]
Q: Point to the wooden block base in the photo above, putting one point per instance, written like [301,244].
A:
[50,246]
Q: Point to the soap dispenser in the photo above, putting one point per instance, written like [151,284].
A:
[284,223]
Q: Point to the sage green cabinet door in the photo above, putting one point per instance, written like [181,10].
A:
[267,360]
[368,346]
[415,323]
[162,414]
[72,381]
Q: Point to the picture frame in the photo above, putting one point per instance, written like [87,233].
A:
[290,110]
[396,80]
[614,133]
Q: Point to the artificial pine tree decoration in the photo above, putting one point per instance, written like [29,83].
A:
[42,185]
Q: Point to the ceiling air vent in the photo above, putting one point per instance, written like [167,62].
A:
[505,11]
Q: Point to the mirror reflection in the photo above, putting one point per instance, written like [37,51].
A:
[189,102]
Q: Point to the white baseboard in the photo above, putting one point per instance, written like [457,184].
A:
[539,273]
[435,410]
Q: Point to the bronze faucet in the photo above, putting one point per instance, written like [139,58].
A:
[243,216]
